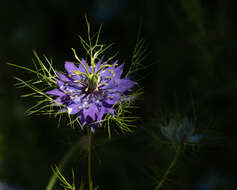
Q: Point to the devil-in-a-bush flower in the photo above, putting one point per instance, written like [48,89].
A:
[180,131]
[91,91]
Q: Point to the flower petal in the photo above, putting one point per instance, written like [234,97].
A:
[60,83]
[188,126]
[118,71]
[82,118]
[195,138]
[93,126]
[101,113]
[98,64]
[82,69]
[167,132]
[55,92]
[91,112]
[62,77]
[125,85]
[58,101]
[73,109]
[70,67]
[112,98]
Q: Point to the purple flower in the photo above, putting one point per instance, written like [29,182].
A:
[90,92]
[181,131]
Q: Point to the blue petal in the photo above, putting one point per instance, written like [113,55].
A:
[112,98]
[118,71]
[82,69]
[60,83]
[58,101]
[180,134]
[70,67]
[93,126]
[82,118]
[167,133]
[55,92]
[188,126]
[73,108]
[101,114]
[91,112]
[125,85]
[62,77]
[195,138]
[98,64]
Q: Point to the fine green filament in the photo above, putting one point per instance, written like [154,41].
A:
[104,66]
[172,163]
[75,54]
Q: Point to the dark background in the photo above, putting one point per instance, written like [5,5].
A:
[192,56]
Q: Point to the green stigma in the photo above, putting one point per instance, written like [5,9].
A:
[92,82]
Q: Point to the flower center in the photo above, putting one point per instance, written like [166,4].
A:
[92,82]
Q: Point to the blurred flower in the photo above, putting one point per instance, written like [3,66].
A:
[214,180]
[180,131]
[5,186]
[91,92]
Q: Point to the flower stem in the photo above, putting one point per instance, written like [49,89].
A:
[172,163]
[89,159]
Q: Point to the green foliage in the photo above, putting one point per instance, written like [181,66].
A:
[43,81]
[64,183]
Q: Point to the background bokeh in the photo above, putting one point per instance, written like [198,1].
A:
[192,48]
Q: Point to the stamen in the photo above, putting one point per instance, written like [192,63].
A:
[71,91]
[77,72]
[112,71]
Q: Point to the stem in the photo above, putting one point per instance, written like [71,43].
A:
[89,159]
[178,151]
